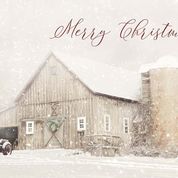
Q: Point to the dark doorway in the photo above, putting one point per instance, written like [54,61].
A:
[10,133]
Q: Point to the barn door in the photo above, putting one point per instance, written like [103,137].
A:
[38,135]
[33,140]
[53,132]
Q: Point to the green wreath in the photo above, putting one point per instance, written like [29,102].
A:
[54,124]
[53,127]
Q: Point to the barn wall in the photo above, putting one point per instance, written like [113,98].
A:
[8,118]
[47,87]
[118,110]
[64,92]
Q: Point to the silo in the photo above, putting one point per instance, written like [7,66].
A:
[163,86]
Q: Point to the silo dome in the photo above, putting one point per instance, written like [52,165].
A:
[166,62]
[162,62]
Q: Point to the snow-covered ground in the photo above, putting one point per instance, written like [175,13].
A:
[61,163]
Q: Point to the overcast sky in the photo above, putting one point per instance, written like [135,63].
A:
[27,25]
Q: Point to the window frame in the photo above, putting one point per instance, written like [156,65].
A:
[27,128]
[79,128]
[107,128]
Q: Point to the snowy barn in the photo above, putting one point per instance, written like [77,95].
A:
[77,103]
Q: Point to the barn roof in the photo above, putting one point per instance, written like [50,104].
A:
[99,77]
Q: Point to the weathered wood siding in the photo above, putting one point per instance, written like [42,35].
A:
[63,91]
[118,110]
[8,118]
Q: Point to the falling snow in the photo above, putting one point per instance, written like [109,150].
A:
[25,29]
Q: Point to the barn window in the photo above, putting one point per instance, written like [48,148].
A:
[81,123]
[30,127]
[107,122]
[53,70]
[126,125]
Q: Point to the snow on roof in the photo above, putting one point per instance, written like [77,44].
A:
[103,78]
[163,62]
